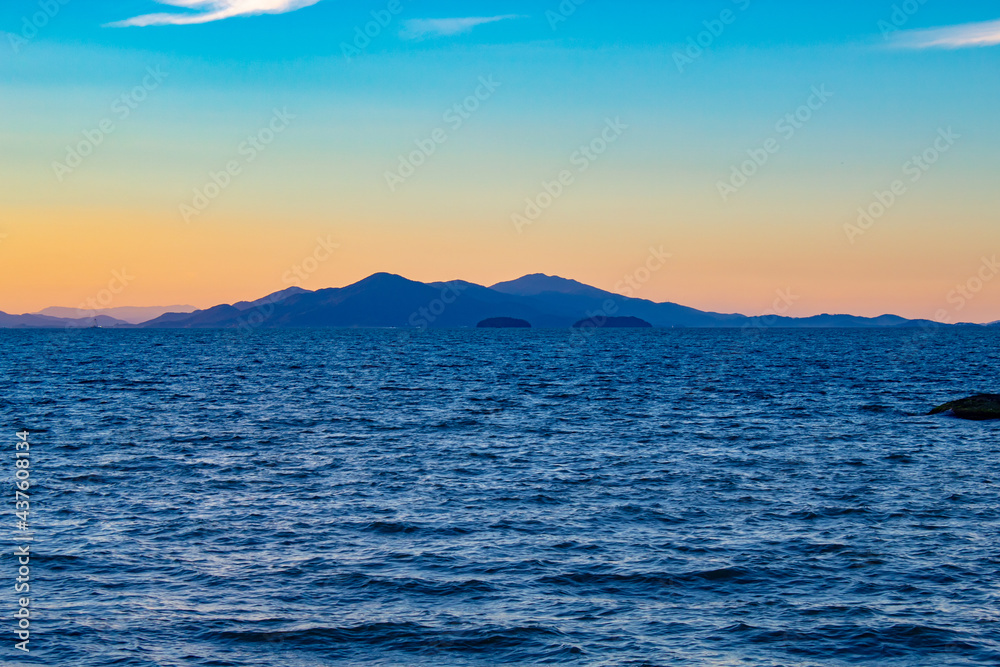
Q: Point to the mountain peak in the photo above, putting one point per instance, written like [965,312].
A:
[271,298]
[382,278]
[540,283]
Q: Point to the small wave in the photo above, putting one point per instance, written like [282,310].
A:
[412,637]
[392,528]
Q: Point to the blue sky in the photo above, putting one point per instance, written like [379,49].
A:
[319,29]
[692,114]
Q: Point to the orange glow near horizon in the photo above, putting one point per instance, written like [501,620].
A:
[63,257]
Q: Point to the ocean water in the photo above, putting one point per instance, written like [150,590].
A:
[379,497]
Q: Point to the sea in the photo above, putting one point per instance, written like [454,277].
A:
[308,498]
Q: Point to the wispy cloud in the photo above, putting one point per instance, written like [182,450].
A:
[206,11]
[964,36]
[421,28]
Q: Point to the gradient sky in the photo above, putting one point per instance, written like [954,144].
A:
[228,67]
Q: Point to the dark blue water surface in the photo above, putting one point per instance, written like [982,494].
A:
[308,498]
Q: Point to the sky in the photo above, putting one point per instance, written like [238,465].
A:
[801,157]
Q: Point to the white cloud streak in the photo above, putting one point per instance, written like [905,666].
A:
[422,28]
[965,36]
[206,11]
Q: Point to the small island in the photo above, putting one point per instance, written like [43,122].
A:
[984,407]
[504,323]
[612,323]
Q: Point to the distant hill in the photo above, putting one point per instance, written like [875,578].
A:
[46,322]
[381,300]
[387,300]
[125,313]
[270,298]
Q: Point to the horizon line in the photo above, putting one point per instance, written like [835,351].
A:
[101,310]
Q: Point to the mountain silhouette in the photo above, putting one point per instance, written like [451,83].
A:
[128,314]
[388,300]
[539,283]
[47,322]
